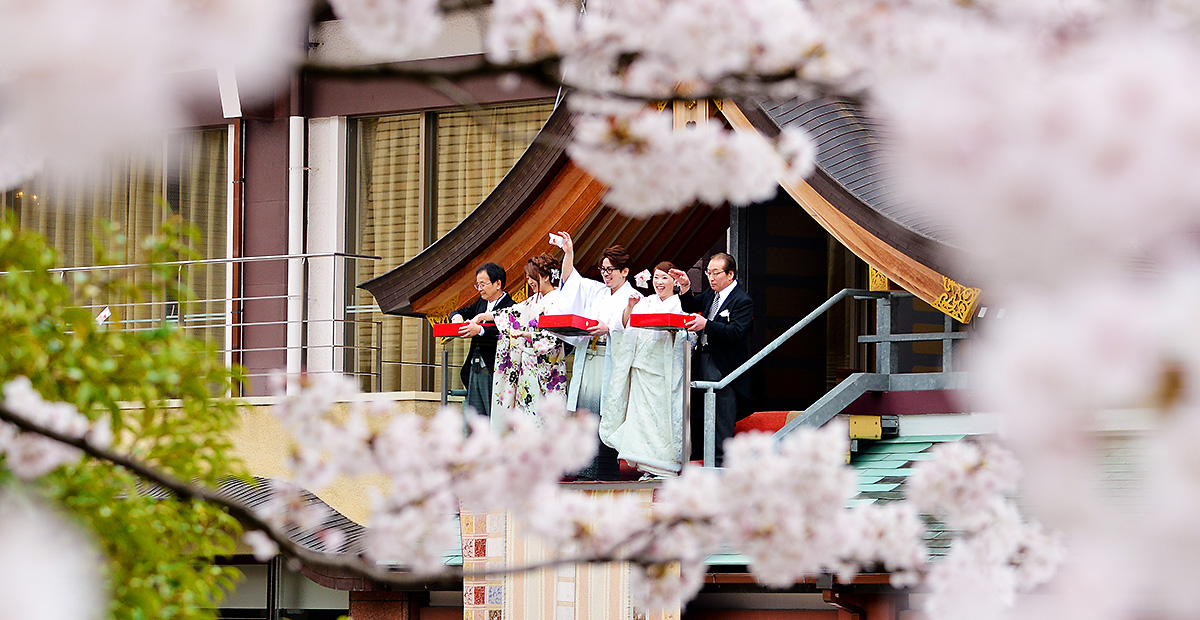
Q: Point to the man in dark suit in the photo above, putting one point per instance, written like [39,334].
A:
[725,315]
[476,371]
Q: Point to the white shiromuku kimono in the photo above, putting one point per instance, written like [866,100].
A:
[642,410]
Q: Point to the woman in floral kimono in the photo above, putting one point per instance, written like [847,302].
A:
[530,364]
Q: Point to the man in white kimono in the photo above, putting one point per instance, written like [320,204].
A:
[606,303]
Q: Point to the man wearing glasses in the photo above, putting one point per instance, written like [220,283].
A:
[725,314]
[476,371]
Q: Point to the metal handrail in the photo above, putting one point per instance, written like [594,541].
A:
[710,387]
[218,261]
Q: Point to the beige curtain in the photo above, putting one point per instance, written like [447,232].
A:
[389,225]
[199,163]
[473,150]
[132,193]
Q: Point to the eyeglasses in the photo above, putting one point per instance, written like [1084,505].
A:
[479,285]
[607,270]
[715,272]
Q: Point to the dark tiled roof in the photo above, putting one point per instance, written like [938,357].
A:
[853,176]
[257,493]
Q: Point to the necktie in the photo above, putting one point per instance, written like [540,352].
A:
[712,314]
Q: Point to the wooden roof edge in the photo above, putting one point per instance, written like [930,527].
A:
[395,289]
[930,284]
[930,252]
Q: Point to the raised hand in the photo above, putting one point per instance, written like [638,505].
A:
[685,283]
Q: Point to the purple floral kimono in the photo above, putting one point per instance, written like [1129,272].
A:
[527,369]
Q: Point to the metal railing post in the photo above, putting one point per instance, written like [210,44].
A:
[886,353]
[378,356]
[947,345]
[686,456]
[710,428]
[445,376]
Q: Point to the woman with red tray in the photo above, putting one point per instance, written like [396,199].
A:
[530,363]
[642,411]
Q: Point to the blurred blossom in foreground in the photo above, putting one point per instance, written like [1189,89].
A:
[662,48]
[390,28]
[49,570]
[28,455]
[1061,142]
[81,78]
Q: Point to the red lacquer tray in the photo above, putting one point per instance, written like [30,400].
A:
[566,324]
[450,330]
[663,320]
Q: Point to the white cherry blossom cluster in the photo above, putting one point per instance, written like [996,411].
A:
[431,468]
[82,77]
[1038,160]
[997,554]
[983,573]
[796,492]
[661,48]
[390,28]
[666,586]
[966,483]
[29,455]
[650,167]
[783,504]
[888,535]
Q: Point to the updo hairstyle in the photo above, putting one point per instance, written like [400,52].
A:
[544,265]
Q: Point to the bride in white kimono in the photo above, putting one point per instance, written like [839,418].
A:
[642,412]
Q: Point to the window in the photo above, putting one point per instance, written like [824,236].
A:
[414,177]
[190,177]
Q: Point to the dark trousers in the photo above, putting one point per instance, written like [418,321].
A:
[727,407]
[479,387]
[605,466]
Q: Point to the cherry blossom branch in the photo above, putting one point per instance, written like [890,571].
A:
[548,72]
[251,520]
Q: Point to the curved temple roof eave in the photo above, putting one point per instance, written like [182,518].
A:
[917,262]
[853,166]
[395,290]
[530,200]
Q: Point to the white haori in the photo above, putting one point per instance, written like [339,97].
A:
[592,299]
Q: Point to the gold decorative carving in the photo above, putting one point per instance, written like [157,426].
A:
[958,301]
[877,281]
[720,103]
[660,105]
[442,313]
[520,294]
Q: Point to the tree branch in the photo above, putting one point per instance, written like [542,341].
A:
[548,72]
[244,514]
